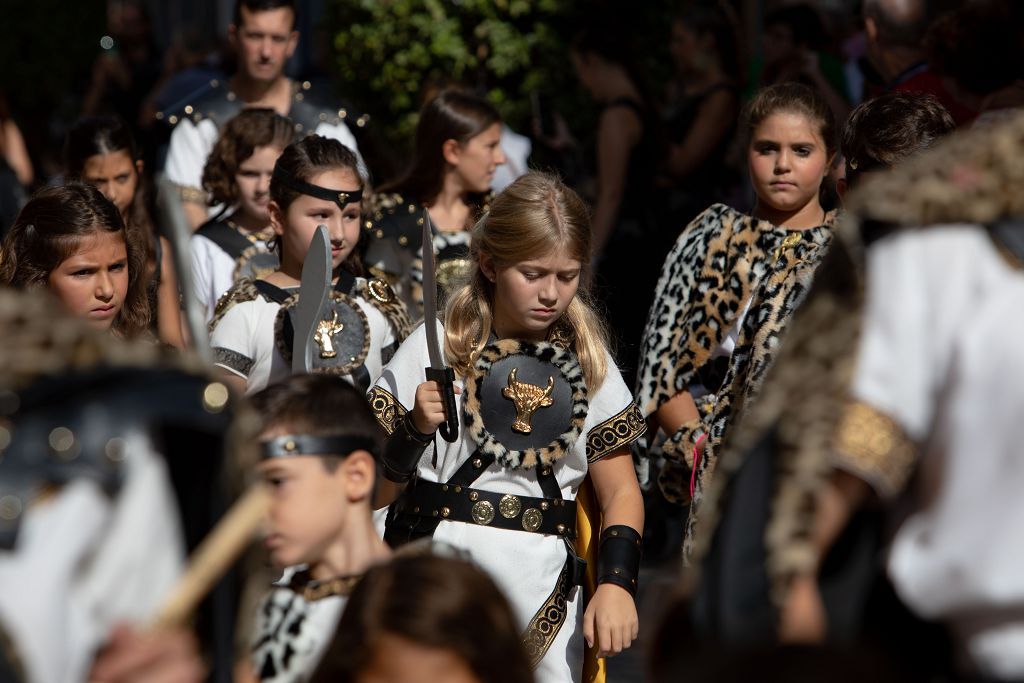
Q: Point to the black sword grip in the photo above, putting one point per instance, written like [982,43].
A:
[445,378]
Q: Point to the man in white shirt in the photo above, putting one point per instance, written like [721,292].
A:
[263,36]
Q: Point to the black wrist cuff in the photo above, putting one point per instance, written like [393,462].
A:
[619,557]
[402,451]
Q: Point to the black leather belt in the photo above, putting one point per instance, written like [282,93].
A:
[553,516]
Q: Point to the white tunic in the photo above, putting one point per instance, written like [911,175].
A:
[85,563]
[191,144]
[525,565]
[941,355]
[291,633]
[213,272]
[246,333]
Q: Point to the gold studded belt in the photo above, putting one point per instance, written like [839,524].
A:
[435,502]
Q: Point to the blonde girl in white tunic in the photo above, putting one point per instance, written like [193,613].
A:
[507,501]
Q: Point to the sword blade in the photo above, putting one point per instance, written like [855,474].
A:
[437,372]
[179,233]
[313,294]
[430,295]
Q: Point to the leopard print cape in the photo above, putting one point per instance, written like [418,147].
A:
[710,274]
[972,177]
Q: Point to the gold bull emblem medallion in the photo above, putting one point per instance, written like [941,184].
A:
[325,329]
[527,399]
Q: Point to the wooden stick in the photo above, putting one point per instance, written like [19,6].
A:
[213,557]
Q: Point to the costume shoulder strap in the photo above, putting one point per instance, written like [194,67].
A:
[309,109]
[243,290]
[380,295]
[213,101]
[224,236]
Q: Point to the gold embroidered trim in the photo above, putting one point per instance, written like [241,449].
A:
[870,444]
[615,432]
[191,194]
[386,408]
[546,623]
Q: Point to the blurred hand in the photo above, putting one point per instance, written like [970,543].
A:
[134,656]
[802,619]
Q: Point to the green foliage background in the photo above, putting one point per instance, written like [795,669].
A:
[386,51]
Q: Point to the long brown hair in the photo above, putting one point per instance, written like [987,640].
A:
[100,135]
[534,216]
[49,229]
[434,602]
[454,114]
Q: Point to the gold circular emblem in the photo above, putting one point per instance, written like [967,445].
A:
[532,519]
[483,512]
[451,272]
[381,291]
[509,506]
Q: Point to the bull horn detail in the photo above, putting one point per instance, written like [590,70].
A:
[527,398]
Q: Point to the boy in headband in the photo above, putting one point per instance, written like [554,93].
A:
[318,459]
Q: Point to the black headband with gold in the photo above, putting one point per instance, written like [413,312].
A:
[339,197]
[291,445]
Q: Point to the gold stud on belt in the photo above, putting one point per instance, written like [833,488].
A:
[509,506]
[532,519]
[483,512]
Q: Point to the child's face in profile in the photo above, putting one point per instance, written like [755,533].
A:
[788,161]
[531,295]
[253,181]
[476,161]
[308,509]
[305,213]
[92,282]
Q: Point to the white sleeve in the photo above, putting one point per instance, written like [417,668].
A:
[233,340]
[915,294]
[189,147]
[405,372]
[614,421]
[202,275]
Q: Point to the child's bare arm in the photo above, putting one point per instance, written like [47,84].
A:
[611,621]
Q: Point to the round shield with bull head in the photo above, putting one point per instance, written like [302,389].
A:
[341,340]
[527,402]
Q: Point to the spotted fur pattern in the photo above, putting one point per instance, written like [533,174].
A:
[378,293]
[705,281]
[243,290]
[773,304]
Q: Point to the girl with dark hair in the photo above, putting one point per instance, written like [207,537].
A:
[315,182]
[73,241]
[426,618]
[102,152]
[544,420]
[237,175]
[628,210]
[457,151]
[730,285]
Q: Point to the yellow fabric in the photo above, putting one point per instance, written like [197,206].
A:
[588,519]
